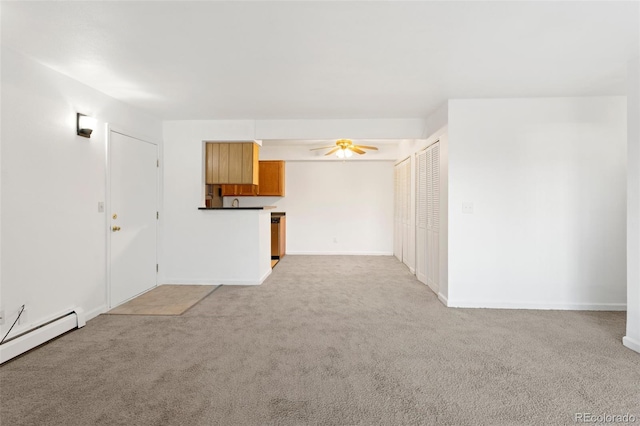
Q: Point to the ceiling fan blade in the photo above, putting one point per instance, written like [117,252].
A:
[333,150]
[367,147]
[356,149]
[324,147]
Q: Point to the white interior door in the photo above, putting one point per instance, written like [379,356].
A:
[132,217]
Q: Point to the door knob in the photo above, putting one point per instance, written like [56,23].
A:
[115,228]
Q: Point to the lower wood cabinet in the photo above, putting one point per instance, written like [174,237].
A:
[278,237]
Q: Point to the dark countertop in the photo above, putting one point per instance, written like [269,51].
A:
[237,208]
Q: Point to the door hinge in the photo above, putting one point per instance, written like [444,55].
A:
[157,215]
[158,162]
[157,268]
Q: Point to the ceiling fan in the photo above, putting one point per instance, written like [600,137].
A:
[345,148]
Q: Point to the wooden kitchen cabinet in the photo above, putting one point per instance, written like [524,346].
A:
[232,163]
[278,237]
[239,190]
[271,179]
[271,182]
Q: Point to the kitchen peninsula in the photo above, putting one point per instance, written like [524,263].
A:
[239,239]
[236,241]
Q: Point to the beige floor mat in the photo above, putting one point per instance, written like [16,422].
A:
[165,300]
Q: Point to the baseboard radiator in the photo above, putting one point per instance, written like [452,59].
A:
[36,336]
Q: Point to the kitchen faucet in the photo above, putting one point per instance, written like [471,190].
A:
[235,203]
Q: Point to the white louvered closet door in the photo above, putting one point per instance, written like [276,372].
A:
[397,215]
[433,216]
[421,216]
[406,210]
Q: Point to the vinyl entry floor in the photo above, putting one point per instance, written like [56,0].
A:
[165,300]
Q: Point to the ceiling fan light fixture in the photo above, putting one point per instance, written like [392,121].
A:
[344,153]
[344,148]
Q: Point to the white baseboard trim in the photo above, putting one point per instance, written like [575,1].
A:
[435,290]
[24,341]
[95,312]
[539,306]
[412,270]
[443,299]
[266,275]
[339,253]
[218,281]
[630,343]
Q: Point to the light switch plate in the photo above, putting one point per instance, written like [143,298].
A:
[467,207]
[100,206]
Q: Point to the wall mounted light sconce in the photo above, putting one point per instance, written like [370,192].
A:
[85,125]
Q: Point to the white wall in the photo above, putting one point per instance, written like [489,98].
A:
[337,129]
[53,238]
[1,173]
[547,178]
[335,207]
[632,338]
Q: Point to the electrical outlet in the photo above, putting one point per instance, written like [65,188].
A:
[2,317]
[467,207]
[335,239]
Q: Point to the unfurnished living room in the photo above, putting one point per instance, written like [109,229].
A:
[319,212]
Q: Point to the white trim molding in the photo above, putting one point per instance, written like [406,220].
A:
[41,333]
[630,343]
[536,305]
[339,253]
[443,299]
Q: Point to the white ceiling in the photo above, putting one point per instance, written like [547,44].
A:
[279,60]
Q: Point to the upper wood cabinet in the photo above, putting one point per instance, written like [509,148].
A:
[239,190]
[232,163]
[271,178]
[271,182]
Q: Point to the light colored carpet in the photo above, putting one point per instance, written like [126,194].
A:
[328,341]
[165,300]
